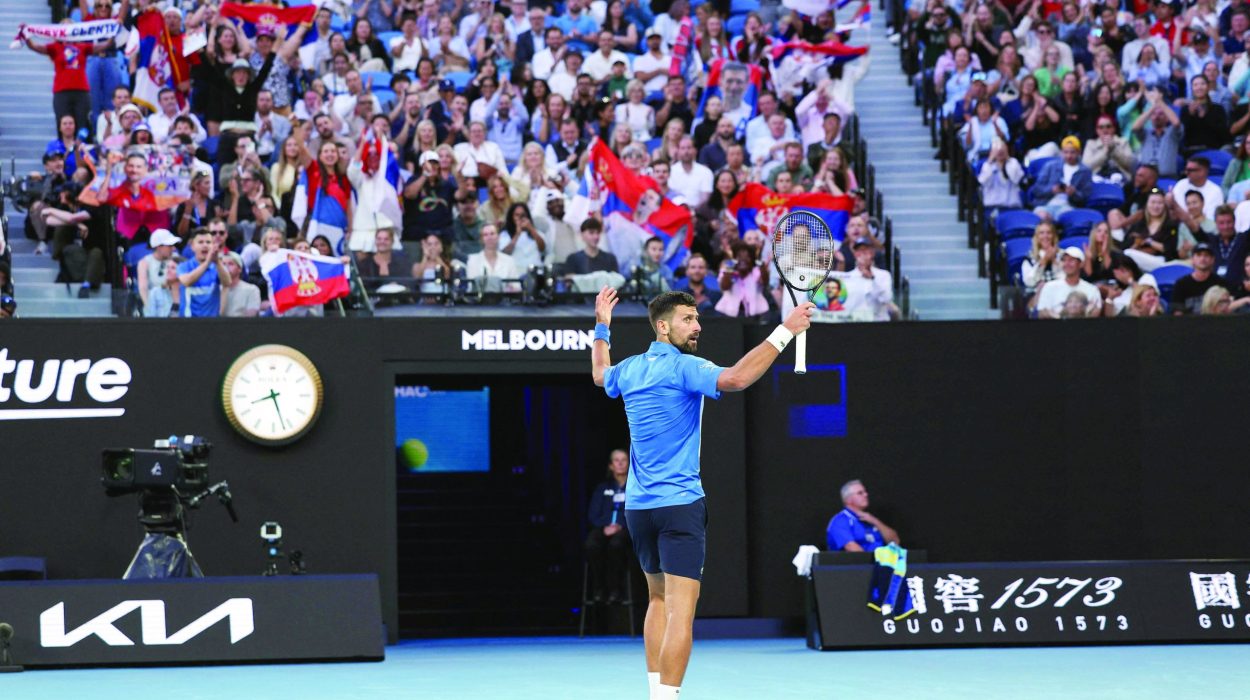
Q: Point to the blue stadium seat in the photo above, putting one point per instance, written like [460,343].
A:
[381,79]
[654,143]
[1077,241]
[385,38]
[1166,183]
[1035,168]
[1105,197]
[461,79]
[384,95]
[1078,222]
[734,25]
[1217,179]
[339,24]
[1167,275]
[1219,160]
[1015,252]
[741,7]
[1016,223]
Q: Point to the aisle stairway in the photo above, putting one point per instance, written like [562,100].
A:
[932,241]
[26,127]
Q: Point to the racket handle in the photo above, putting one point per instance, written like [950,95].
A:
[800,353]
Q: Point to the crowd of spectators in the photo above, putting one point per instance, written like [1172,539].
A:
[489,109]
[1120,126]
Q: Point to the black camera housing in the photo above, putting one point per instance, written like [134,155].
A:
[182,466]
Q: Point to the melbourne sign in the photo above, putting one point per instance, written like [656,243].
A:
[520,339]
[1039,602]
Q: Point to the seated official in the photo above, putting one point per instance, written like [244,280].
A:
[854,529]
[607,545]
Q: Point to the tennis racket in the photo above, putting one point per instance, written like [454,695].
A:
[803,249]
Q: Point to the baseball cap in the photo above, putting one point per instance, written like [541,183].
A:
[142,126]
[979,75]
[1203,247]
[863,241]
[653,32]
[162,236]
[1074,252]
[429,156]
[553,195]
[240,64]
[129,108]
[445,84]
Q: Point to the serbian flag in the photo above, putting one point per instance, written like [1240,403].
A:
[619,191]
[283,20]
[862,19]
[749,99]
[303,279]
[161,62]
[757,207]
[828,51]
[322,210]
[794,63]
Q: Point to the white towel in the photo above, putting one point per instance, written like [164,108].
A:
[803,560]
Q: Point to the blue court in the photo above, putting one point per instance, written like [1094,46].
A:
[611,669]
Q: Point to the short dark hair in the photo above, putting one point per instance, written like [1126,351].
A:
[1198,194]
[661,308]
[200,231]
[591,225]
[653,239]
[1202,161]
[1224,210]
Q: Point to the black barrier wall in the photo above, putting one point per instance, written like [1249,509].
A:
[1116,439]
[978,441]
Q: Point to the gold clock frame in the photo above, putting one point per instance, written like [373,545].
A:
[236,368]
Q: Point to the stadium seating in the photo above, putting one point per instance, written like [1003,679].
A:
[1073,241]
[1219,161]
[1015,252]
[1035,168]
[461,79]
[1105,197]
[1166,277]
[1016,223]
[1078,222]
[381,79]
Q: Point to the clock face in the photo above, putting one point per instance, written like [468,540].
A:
[272,394]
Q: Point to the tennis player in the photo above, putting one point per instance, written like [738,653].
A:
[664,506]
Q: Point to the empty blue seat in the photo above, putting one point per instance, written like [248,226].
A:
[381,79]
[1166,183]
[1105,197]
[1015,252]
[1219,160]
[1078,222]
[741,7]
[1166,277]
[1035,168]
[385,38]
[1074,241]
[460,78]
[1016,223]
[734,25]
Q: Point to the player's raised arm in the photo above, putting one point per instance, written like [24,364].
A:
[600,358]
[754,364]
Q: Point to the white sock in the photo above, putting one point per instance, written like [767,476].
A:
[667,692]
[653,684]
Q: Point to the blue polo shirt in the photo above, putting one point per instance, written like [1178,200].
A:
[663,390]
[847,527]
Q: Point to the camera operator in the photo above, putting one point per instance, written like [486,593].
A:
[53,177]
[76,242]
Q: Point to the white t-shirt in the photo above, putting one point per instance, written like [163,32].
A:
[1055,293]
[1212,196]
[469,157]
[599,67]
[505,267]
[646,63]
[410,56]
[526,252]
[695,185]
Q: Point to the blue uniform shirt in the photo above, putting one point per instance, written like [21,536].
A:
[202,299]
[663,391]
[847,527]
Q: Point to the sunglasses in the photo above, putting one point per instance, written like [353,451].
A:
[217,233]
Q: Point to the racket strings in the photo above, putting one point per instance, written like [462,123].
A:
[803,249]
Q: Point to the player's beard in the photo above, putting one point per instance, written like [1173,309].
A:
[689,345]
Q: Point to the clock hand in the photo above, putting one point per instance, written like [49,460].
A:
[267,397]
[274,395]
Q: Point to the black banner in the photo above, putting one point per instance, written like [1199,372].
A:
[279,618]
[1040,603]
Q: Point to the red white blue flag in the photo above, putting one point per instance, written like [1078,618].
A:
[620,189]
[757,207]
[302,279]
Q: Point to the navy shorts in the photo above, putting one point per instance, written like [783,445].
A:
[671,539]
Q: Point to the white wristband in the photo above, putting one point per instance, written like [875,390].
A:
[780,337]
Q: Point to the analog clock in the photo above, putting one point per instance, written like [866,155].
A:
[272,394]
